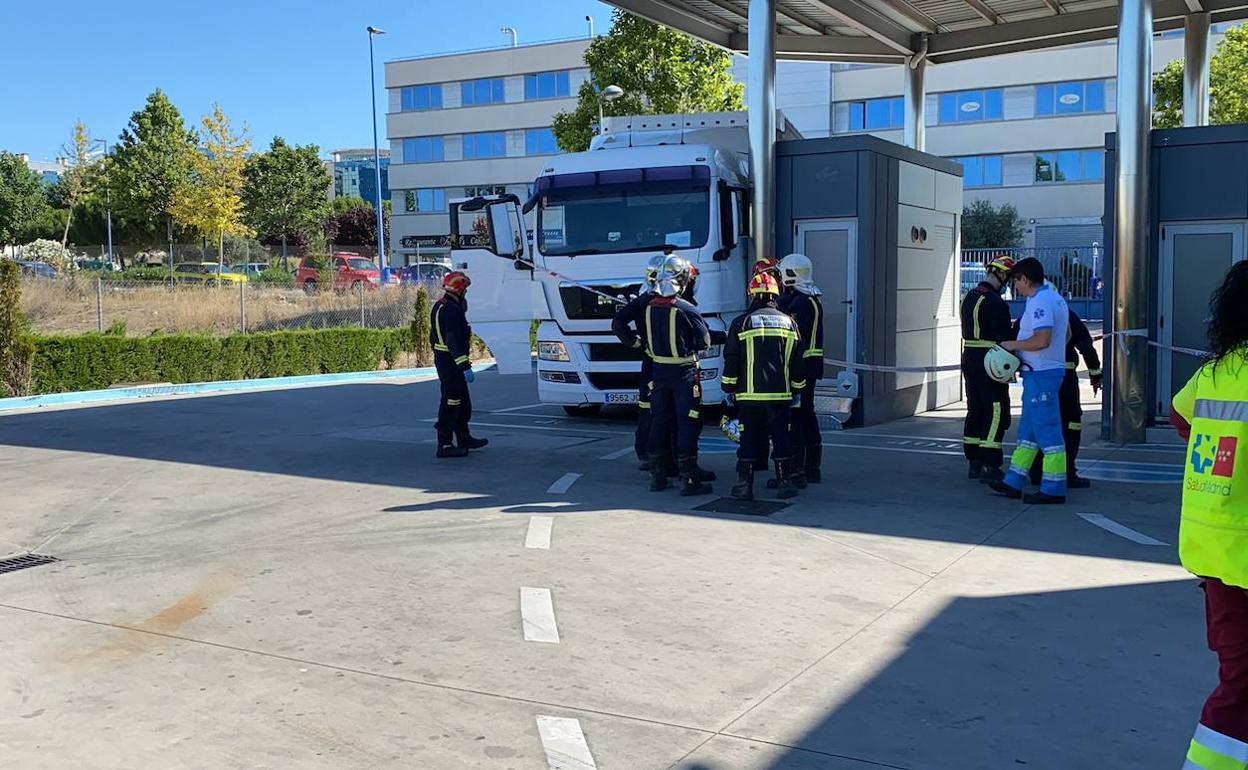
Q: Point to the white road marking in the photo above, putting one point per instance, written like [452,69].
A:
[564,743]
[563,483]
[1109,525]
[538,535]
[537,615]
[617,454]
[516,408]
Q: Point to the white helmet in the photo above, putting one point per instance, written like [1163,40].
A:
[796,272]
[1001,364]
[667,279]
[652,269]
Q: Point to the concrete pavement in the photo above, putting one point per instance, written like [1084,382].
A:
[290,579]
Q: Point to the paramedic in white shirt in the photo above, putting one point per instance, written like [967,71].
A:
[1041,344]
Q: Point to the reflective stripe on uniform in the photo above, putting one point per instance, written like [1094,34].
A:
[726,380]
[764,396]
[462,360]
[1233,411]
[993,426]
[1072,365]
[978,343]
[440,345]
[643,404]
[650,334]
[798,385]
[813,353]
[1074,426]
[1211,750]
[975,315]
[814,328]
[694,414]
[452,402]
[1094,372]
[671,333]
[674,359]
[971,441]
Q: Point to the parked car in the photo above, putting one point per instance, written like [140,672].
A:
[37,269]
[250,269]
[350,271]
[194,272]
[95,265]
[423,272]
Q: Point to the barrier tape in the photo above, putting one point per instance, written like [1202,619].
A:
[574,282]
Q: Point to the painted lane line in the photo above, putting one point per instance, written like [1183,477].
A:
[515,408]
[537,615]
[538,535]
[1109,525]
[617,454]
[564,743]
[563,483]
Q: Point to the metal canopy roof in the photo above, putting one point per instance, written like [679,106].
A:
[890,30]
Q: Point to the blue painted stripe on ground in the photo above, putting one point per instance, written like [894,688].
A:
[223,386]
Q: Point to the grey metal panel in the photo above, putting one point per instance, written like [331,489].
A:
[859,142]
[1191,191]
[1019,102]
[824,185]
[1057,236]
[784,205]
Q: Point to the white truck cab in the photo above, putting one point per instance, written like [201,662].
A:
[647,186]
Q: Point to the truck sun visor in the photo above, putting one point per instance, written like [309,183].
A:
[623,176]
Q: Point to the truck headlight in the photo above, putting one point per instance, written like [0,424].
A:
[552,351]
[712,352]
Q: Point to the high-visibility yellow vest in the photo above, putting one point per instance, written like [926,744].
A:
[1213,530]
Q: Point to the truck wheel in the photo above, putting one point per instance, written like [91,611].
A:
[584,410]
[309,287]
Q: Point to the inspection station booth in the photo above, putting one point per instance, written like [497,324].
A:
[918,34]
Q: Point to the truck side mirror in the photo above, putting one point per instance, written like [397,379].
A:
[727,227]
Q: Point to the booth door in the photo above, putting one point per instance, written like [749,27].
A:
[830,244]
[1194,260]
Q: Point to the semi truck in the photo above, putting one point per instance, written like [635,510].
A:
[665,184]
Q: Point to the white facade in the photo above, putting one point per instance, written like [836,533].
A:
[466,123]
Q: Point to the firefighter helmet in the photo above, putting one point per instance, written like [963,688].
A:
[764,283]
[456,282]
[767,265]
[796,272]
[1003,265]
[653,267]
[668,278]
[1001,364]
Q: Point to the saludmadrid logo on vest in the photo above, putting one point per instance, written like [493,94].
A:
[1214,460]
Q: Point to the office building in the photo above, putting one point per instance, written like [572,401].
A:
[471,123]
[354,173]
[48,170]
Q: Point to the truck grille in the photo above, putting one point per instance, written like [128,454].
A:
[583,305]
[613,351]
[615,380]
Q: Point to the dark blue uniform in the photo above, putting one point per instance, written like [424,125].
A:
[807,312]
[763,369]
[674,334]
[627,324]
[449,336]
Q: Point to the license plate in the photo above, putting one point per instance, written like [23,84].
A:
[622,398]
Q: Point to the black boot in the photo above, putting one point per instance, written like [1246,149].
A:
[1043,498]
[658,473]
[450,450]
[643,463]
[744,488]
[975,471]
[814,464]
[703,473]
[991,475]
[691,484]
[784,484]
[468,442]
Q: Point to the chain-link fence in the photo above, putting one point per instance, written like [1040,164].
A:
[82,302]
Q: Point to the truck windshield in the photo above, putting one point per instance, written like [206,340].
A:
[619,210]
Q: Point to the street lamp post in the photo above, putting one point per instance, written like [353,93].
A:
[108,200]
[608,94]
[372,79]
[590,20]
[515,37]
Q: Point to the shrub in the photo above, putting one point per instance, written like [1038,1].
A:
[275,276]
[16,350]
[420,329]
[155,274]
[49,252]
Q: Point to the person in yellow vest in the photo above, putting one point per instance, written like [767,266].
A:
[1211,411]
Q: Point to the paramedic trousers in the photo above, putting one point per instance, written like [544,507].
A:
[987,412]
[1072,425]
[1221,739]
[1040,430]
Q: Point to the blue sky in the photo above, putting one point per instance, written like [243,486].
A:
[295,68]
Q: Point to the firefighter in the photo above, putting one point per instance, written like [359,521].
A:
[449,335]
[801,300]
[763,373]
[1079,343]
[627,326]
[985,322]
[674,335]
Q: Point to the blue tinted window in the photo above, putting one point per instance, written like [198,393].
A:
[993,104]
[1069,166]
[1094,96]
[1044,100]
[970,106]
[1045,163]
[492,144]
[547,85]
[972,172]
[1093,165]
[1069,98]
[421,98]
[540,141]
[422,149]
[562,84]
[877,114]
[897,112]
[857,119]
[431,200]
[948,108]
[530,87]
[992,170]
[486,91]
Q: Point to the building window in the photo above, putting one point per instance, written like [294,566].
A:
[490,144]
[1070,98]
[424,201]
[981,171]
[416,98]
[877,114]
[488,190]
[1070,166]
[477,92]
[422,149]
[970,106]
[547,85]
[540,141]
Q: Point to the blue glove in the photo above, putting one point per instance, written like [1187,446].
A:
[470,375]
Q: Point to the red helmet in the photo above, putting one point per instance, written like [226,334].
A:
[456,282]
[1002,264]
[767,265]
[764,283]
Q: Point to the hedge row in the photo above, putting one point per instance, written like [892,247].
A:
[94,361]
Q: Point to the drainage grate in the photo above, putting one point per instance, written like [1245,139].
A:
[743,507]
[25,561]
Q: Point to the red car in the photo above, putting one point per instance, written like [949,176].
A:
[351,271]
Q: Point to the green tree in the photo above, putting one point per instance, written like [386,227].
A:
[987,227]
[661,70]
[1228,85]
[23,199]
[81,175]
[284,193]
[210,201]
[151,161]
